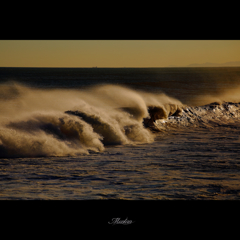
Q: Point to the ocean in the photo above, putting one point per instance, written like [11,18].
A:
[120,133]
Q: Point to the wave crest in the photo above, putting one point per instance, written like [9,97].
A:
[37,122]
[208,116]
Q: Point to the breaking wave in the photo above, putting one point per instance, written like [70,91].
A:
[40,122]
[226,114]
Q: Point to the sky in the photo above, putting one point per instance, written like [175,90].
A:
[116,53]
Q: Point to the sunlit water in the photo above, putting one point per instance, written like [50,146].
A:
[189,163]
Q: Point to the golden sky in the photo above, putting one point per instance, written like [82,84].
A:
[116,53]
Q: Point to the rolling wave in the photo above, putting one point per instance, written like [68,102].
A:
[36,123]
[39,123]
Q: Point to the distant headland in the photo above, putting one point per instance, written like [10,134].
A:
[209,64]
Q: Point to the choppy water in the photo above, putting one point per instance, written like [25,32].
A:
[104,151]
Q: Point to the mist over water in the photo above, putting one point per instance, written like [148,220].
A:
[35,122]
[223,95]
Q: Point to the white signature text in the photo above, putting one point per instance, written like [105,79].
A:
[119,221]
